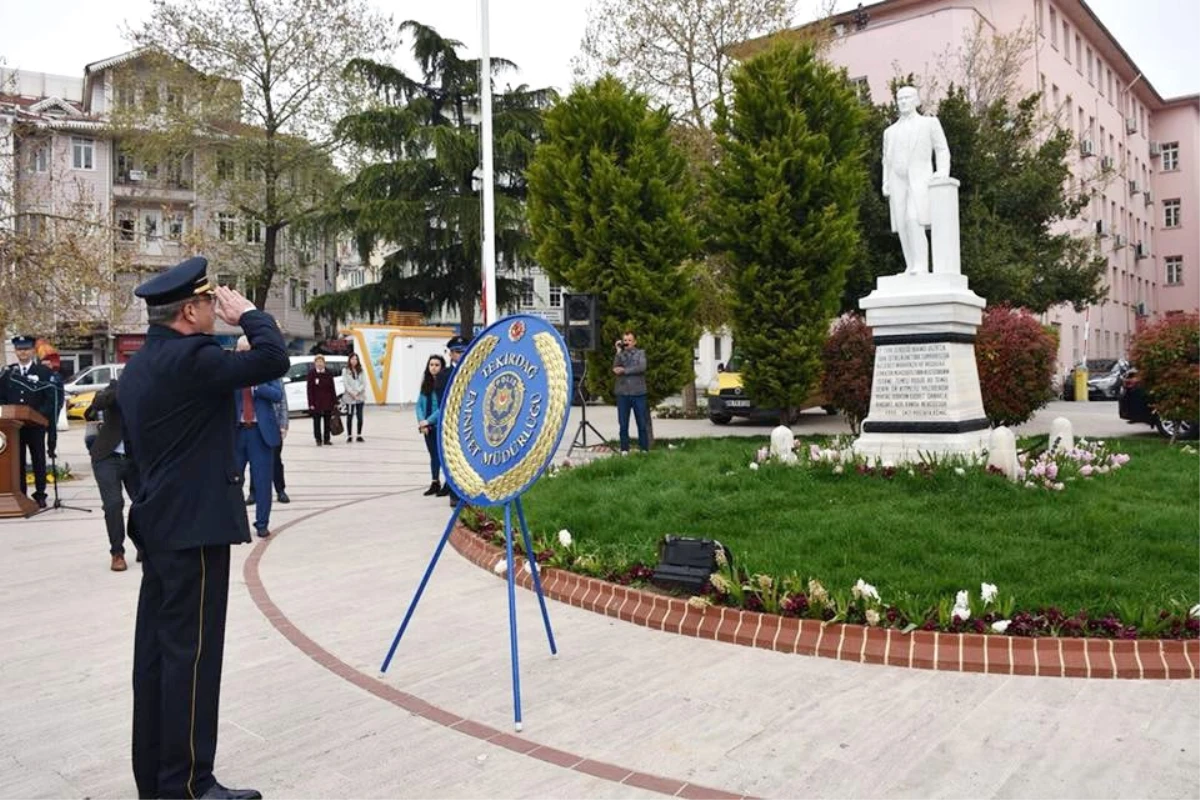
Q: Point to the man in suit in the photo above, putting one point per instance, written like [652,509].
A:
[113,468]
[909,145]
[31,383]
[177,395]
[257,437]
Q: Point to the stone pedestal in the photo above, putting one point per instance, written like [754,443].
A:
[925,396]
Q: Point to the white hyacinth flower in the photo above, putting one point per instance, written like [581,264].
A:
[501,567]
[988,592]
[872,617]
[865,590]
[1195,612]
[1000,626]
[564,537]
[753,465]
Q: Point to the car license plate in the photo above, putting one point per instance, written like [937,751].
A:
[737,403]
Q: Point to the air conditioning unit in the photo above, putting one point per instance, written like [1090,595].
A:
[1155,149]
[1118,241]
[1149,195]
[1106,163]
[1141,251]
[1134,187]
[1087,148]
[137,175]
[1131,124]
[1101,227]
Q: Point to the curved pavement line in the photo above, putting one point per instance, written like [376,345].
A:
[421,708]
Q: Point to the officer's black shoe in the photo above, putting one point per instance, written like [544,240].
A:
[219,792]
[250,500]
[283,498]
[41,501]
[444,491]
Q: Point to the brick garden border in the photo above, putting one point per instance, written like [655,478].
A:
[953,652]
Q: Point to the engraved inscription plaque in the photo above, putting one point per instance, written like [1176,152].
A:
[912,382]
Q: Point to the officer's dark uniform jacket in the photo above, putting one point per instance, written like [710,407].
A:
[177,397]
[39,389]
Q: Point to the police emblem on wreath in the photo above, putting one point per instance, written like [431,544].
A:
[505,411]
[501,403]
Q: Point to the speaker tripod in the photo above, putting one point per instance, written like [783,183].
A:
[58,503]
[580,439]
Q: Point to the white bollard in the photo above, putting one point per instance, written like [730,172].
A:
[1002,452]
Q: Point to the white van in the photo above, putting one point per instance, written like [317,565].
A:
[93,379]
[295,382]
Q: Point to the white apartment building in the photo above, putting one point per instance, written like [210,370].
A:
[66,154]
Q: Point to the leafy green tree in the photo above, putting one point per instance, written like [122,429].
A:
[421,199]
[788,185]
[609,197]
[1012,194]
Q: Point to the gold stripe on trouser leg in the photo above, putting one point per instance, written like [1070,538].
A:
[195,677]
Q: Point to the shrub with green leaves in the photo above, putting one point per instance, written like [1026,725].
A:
[786,190]
[1015,357]
[1167,356]
[849,358]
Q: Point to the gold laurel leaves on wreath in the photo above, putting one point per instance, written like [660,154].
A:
[470,481]
[558,390]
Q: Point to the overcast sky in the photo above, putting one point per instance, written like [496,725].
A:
[61,36]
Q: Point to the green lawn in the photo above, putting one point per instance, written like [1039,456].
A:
[1131,536]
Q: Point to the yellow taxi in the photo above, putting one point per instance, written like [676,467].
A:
[77,404]
[727,397]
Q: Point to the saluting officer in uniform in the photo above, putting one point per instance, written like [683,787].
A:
[31,383]
[177,395]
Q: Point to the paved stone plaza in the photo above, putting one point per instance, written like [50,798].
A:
[623,712]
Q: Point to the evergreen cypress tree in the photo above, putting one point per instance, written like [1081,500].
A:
[608,208]
[788,182]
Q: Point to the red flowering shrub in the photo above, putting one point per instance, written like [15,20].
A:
[1167,356]
[1015,357]
[849,362]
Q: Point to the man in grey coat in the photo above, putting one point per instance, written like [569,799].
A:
[629,365]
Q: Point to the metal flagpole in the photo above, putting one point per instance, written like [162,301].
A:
[489,182]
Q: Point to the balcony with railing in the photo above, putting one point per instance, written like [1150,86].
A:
[137,179]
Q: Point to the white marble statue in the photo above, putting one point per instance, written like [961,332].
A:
[783,444]
[909,146]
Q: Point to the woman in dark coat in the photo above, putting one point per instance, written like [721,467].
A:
[322,399]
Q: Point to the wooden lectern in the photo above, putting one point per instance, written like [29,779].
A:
[13,502]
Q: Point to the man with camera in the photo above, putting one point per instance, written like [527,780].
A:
[629,365]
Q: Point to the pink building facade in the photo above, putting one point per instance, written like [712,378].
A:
[1138,154]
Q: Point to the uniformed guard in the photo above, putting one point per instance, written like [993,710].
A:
[31,383]
[177,395]
[456,346]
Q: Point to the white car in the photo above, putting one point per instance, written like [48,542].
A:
[295,382]
[93,379]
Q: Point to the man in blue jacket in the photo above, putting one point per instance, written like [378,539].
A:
[258,437]
[177,395]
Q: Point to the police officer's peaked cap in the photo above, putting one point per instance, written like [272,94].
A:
[180,282]
[458,343]
[23,342]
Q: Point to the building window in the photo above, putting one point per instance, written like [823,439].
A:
[254,232]
[224,168]
[1174,270]
[555,296]
[1078,54]
[41,158]
[150,226]
[228,279]
[1171,213]
[527,296]
[1037,17]
[227,227]
[1170,156]
[253,172]
[1054,29]
[1066,41]
[294,293]
[175,98]
[861,86]
[82,153]
[1110,84]
[126,226]
[125,98]
[1091,75]
[175,226]
[303,293]
[718,347]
